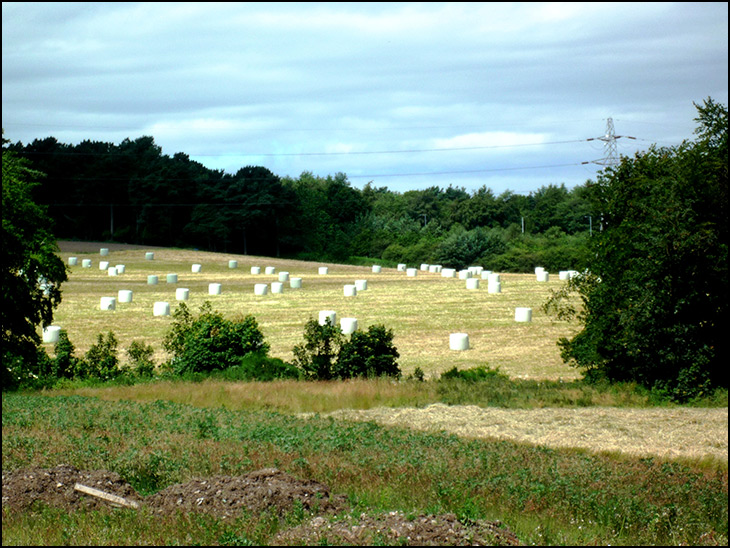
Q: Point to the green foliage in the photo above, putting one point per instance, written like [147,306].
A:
[326,353]
[210,342]
[656,302]
[475,374]
[65,363]
[101,359]
[257,366]
[465,248]
[368,353]
[31,273]
[140,356]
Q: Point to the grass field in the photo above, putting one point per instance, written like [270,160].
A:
[422,311]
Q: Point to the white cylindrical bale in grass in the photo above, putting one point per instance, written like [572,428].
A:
[270,270]
[261,289]
[104,251]
[283,276]
[325,315]
[172,278]
[150,256]
[255,270]
[86,263]
[376,269]
[459,341]
[424,267]
[323,270]
[543,276]
[182,294]
[523,314]
[197,267]
[125,295]
[152,279]
[361,285]
[485,274]
[348,325]
[412,272]
[476,270]
[103,265]
[51,333]
[232,264]
[401,267]
[112,271]
[73,261]
[494,277]
[448,273]
[464,274]
[350,290]
[472,283]
[161,308]
[108,303]
[277,287]
[494,287]
[295,283]
[120,268]
[214,289]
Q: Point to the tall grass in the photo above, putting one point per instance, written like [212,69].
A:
[546,496]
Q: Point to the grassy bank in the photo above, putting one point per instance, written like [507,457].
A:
[546,496]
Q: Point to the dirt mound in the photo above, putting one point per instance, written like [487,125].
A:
[226,496]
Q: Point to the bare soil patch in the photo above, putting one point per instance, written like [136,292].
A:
[267,489]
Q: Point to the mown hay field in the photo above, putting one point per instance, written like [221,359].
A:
[422,311]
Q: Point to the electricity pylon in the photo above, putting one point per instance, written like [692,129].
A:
[611,155]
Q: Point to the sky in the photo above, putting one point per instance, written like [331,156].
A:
[508,96]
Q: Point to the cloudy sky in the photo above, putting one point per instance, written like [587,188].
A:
[406,95]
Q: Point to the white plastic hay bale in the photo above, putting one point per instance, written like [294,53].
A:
[424,267]
[283,276]
[459,341]
[104,251]
[121,268]
[172,278]
[348,325]
[161,308]
[494,277]
[538,269]
[476,270]
[261,289]
[149,256]
[494,287]
[472,283]
[112,271]
[86,263]
[232,264]
[436,268]
[323,270]
[51,333]
[295,283]
[182,294]
[485,274]
[255,270]
[108,303]
[270,270]
[412,272]
[401,267]
[277,287]
[125,295]
[152,279]
[543,276]
[350,290]
[214,289]
[377,268]
[324,315]
[523,314]
[448,273]
[361,285]
[464,274]
[197,267]
[103,265]
[73,261]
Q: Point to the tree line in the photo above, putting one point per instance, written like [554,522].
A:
[132,193]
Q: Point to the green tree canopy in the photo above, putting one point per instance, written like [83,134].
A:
[31,272]
[656,298]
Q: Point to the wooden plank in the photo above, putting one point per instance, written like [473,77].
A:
[114,499]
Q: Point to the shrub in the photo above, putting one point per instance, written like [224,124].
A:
[140,355]
[368,354]
[210,342]
[316,357]
[101,359]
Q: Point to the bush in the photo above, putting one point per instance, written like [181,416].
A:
[140,355]
[257,366]
[316,358]
[101,360]
[368,354]
[210,342]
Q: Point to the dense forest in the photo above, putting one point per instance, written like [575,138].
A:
[132,193]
